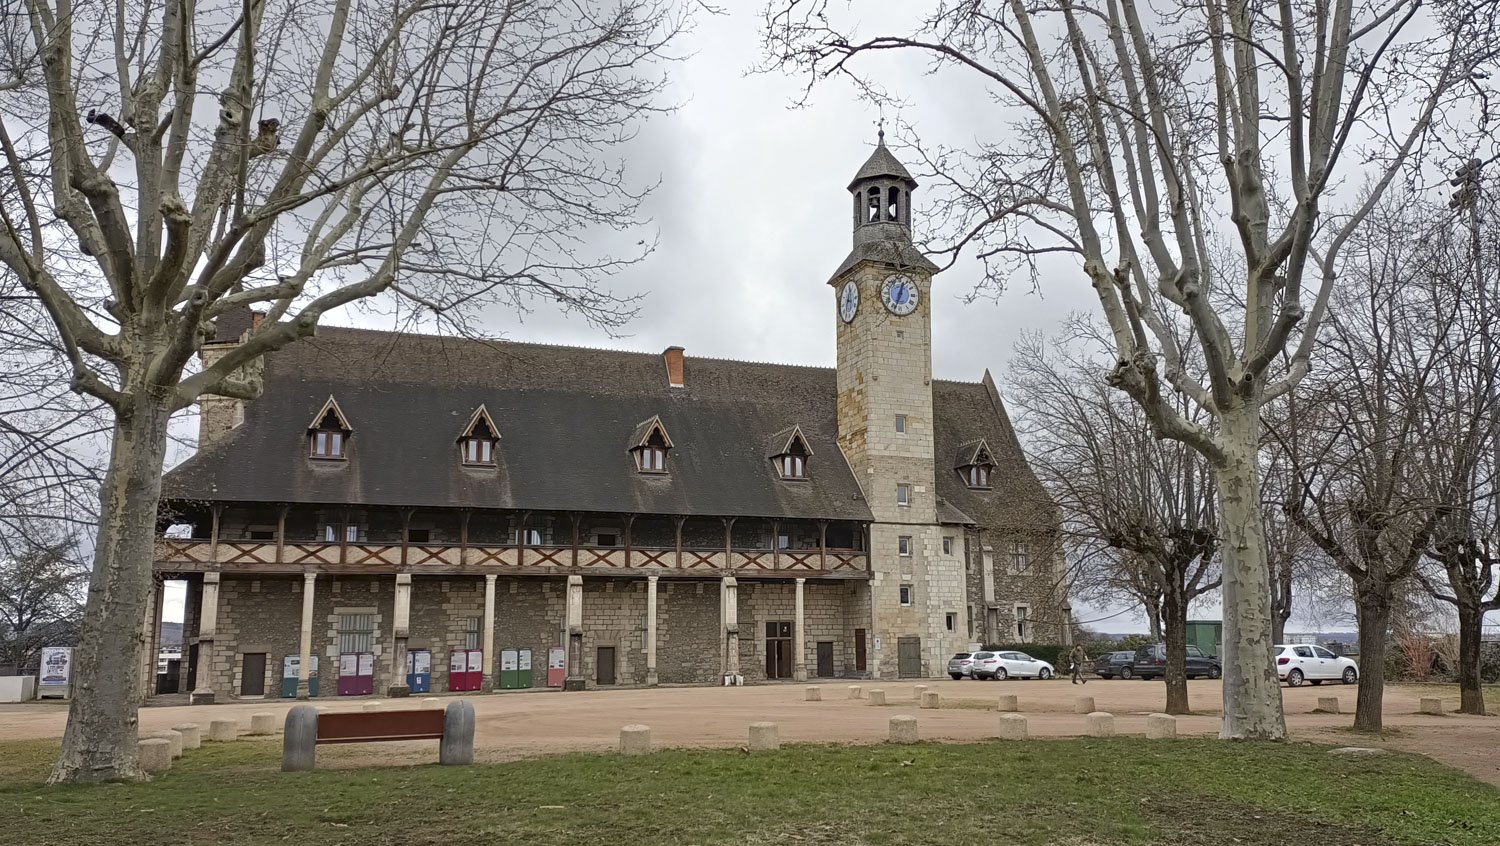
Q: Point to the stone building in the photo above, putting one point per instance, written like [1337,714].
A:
[511,515]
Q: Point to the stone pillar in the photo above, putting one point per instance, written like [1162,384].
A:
[304,650]
[575,681]
[1067,625]
[872,639]
[731,614]
[151,632]
[401,628]
[189,611]
[487,637]
[799,638]
[651,677]
[204,694]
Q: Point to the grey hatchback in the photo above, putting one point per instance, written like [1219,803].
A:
[1113,664]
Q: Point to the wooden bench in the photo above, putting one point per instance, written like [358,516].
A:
[306,729]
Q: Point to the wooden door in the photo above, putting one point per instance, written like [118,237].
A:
[861,654]
[909,657]
[825,659]
[604,665]
[253,674]
[778,650]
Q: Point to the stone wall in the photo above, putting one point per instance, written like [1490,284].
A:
[441,610]
[614,615]
[761,602]
[688,645]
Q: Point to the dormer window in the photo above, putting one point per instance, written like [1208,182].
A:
[789,453]
[649,444]
[329,433]
[979,475]
[975,464]
[476,446]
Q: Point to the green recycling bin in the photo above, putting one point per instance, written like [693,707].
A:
[291,666]
[515,669]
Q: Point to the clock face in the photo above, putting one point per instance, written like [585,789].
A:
[900,294]
[848,301]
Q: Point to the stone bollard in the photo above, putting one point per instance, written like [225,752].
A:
[813,694]
[932,700]
[192,737]
[1327,705]
[173,739]
[856,692]
[299,739]
[904,729]
[917,691]
[1100,724]
[1008,702]
[1083,705]
[635,740]
[372,706]
[1160,727]
[1431,705]
[764,737]
[222,731]
[154,754]
[456,749]
[432,702]
[1012,727]
[877,697]
[262,724]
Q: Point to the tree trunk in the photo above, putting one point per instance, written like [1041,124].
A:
[1281,602]
[1175,610]
[1372,609]
[1252,694]
[1470,632]
[99,743]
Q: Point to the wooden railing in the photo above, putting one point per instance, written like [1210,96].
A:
[174,554]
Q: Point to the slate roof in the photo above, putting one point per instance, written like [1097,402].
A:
[882,163]
[566,418]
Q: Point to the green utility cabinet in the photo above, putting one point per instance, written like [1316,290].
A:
[515,669]
[1207,635]
[291,666]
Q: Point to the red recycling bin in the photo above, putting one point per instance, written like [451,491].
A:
[465,670]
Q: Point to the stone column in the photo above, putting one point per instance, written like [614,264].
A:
[151,631]
[731,614]
[574,681]
[204,694]
[487,637]
[189,611]
[401,628]
[872,646]
[304,649]
[799,638]
[1067,624]
[651,677]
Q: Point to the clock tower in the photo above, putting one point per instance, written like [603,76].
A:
[883,308]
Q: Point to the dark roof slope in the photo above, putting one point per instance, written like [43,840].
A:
[882,163]
[1016,500]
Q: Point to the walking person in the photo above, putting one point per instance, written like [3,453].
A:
[1077,656]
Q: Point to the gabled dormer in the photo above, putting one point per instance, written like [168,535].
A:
[649,445]
[328,434]
[789,454]
[476,444]
[974,463]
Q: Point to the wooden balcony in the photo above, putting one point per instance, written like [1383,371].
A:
[268,557]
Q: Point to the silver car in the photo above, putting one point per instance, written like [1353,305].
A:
[1004,665]
[960,665]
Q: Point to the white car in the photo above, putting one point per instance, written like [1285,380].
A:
[1004,665]
[960,664]
[1299,662]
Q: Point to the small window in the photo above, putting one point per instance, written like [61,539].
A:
[477,443]
[951,620]
[903,545]
[529,537]
[978,476]
[903,495]
[328,444]
[793,467]
[1023,623]
[783,541]
[1020,558]
[650,447]
[328,435]
[418,535]
[606,539]
[478,451]
[651,459]
[331,533]
[901,424]
[472,631]
[947,546]
[906,594]
[262,534]
[789,453]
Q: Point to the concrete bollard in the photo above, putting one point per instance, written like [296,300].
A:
[917,691]
[299,740]
[1012,727]
[456,749]
[1100,724]
[813,694]
[192,737]
[154,754]
[765,737]
[1083,705]
[222,731]
[372,706]
[1008,702]
[173,739]
[1161,727]
[1327,705]
[432,702]
[877,697]
[635,740]
[904,729]
[1431,705]
[856,692]
[262,724]
[932,700]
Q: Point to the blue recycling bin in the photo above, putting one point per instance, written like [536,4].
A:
[419,671]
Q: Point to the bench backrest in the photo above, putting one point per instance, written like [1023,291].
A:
[372,726]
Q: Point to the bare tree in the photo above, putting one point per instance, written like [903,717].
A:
[41,592]
[1149,502]
[174,163]
[1141,133]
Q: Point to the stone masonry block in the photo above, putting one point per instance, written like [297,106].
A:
[903,729]
[1008,702]
[262,724]
[877,697]
[764,737]
[372,706]
[917,691]
[1431,705]
[222,731]
[1099,724]
[1161,726]
[154,754]
[432,702]
[813,694]
[192,736]
[1012,727]
[856,692]
[931,700]
[635,740]
[1327,705]
[1083,705]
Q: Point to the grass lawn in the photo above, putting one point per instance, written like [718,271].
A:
[1078,792]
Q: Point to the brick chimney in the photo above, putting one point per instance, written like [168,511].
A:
[676,367]
[217,415]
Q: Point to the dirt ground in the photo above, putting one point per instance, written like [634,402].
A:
[526,724]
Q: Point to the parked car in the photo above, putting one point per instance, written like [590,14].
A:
[1004,665]
[959,665]
[1151,663]
[1120,664]
[1296,663]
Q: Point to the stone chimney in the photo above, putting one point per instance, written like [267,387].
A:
[217,416]
[676,367]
